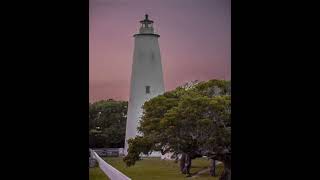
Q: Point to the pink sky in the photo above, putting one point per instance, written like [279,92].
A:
[195,42]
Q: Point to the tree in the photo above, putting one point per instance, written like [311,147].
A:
[107,123]
[191,122]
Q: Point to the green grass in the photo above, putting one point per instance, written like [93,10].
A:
[97,174]
[156,169]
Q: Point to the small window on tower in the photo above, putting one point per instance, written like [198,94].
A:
[147,89]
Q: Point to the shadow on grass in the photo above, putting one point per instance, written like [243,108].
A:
[200,170]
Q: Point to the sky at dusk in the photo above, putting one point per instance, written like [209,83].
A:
[195,42]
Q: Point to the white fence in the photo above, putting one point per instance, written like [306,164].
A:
[110,171]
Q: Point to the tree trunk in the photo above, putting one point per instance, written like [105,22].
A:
[182,162]
[226,175]
[187,165]
[213,167]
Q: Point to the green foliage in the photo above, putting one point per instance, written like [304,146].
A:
[193,121]
[137,146]
[213,88]
[107,123]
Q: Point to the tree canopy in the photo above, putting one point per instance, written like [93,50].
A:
[107,123]
[194,121]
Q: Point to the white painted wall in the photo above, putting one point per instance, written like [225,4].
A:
[146,71]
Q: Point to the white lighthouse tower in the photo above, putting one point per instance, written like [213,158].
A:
[146,76]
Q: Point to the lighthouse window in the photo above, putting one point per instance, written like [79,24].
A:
[147,89]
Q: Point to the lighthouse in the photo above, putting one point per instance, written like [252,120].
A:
[146,75]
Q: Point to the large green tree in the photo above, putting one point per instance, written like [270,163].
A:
[192,122]
[107,123]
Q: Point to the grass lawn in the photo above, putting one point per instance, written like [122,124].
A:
[157,169]
[97,174]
